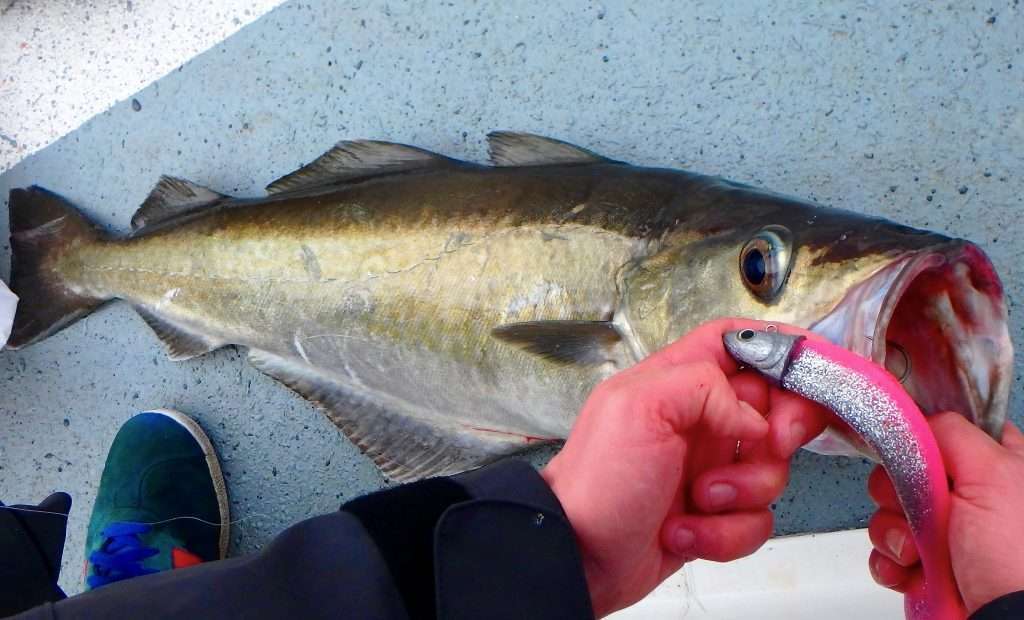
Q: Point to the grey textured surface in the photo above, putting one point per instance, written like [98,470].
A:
[63,62]
[879,107]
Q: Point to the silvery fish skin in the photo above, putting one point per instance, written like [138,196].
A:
[446,313]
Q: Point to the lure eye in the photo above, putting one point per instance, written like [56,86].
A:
[765,262]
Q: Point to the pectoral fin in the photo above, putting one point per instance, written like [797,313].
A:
[566,342]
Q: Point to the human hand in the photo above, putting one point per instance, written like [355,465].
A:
[987,502]
[651,477]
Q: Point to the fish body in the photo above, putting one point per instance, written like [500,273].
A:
[877,408]
[445,313]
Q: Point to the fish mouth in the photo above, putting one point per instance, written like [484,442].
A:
[937,320]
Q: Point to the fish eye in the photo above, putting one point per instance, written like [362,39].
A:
[765,261]
[754,266]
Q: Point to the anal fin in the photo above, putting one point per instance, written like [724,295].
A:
[405,444]
[181,344]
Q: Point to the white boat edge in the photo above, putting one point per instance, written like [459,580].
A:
[808,577]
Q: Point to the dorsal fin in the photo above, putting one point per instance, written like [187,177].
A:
[170,198]
[510,148]
[359,159]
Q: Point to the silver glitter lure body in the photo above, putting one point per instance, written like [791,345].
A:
[869,408]
[871,412]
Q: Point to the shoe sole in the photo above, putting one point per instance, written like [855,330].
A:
[213,463]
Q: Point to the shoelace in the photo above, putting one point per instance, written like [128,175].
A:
[121,554]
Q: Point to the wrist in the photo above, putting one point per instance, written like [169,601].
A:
[601,595]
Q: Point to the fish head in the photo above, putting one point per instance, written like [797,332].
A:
[928,307]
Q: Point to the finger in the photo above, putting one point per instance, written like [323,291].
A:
[891,537]
[683,396]
[720,538]
[889,574]
[967,451]
[707,452]
[712,452]
[756,452]
[742,486]
[794,421]
[1013,439]
[881,490]
[751,387]
[704,344]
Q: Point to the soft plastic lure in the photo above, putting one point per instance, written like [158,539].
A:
[874,404]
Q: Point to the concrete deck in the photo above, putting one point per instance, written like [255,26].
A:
[909,111]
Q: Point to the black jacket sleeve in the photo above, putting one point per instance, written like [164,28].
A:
[491,543]
[1006,607]
[31,548]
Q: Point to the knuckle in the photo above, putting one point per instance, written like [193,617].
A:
[704,369]
[746,539]
[608,390]
[601,390]
[875,568]
[710,325]
[704,377]
[772,480]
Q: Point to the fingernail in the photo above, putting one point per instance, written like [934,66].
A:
[797,432]
[683,539]
[878,574]
[894,540]
[721,494]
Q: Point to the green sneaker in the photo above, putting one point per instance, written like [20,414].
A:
[161,504]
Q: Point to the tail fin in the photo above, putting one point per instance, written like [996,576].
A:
[43,227]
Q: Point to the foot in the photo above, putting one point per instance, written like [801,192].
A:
[161,504]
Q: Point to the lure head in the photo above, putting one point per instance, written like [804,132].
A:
[767,351]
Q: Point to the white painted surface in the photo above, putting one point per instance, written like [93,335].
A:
[63,62]
[796,578]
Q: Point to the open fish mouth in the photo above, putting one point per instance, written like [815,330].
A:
[937,320]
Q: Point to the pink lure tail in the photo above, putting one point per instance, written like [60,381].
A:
[874,404]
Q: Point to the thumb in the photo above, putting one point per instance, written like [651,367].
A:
[685,395]
[967,451]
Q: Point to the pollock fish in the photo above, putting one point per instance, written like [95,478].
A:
[874,405]
[446,313]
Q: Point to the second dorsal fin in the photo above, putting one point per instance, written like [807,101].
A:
[172,197]
[510,148]
[358,159]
